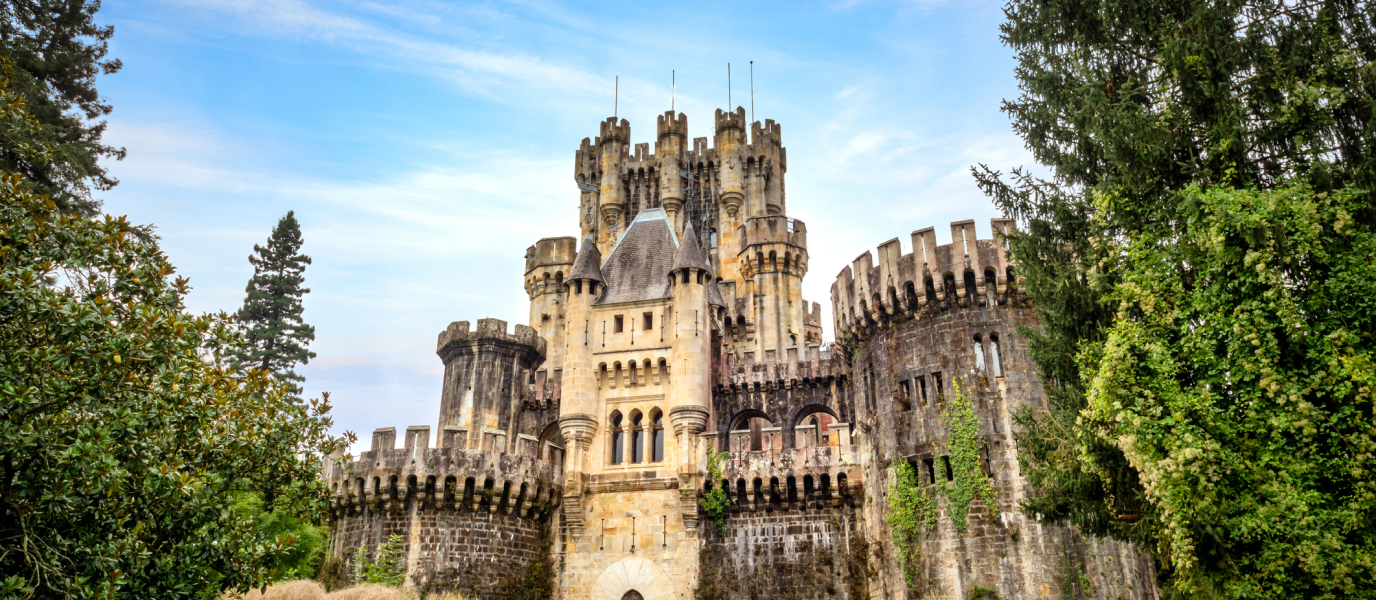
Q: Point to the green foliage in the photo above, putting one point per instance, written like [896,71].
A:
[536,580]
[1188,139]
[122,442]
[1238,379]
[57,50]
[275,337]
[910,511]
[715,504]
[962,430]
[387,568]
[980,592]
[309,541]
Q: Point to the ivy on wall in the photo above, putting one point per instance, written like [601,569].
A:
[912,508]
[714,503]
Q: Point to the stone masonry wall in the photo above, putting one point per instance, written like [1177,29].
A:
[788,555]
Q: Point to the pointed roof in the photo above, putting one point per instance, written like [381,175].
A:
[689,255]
[588,264]
[714,293]
[637,267]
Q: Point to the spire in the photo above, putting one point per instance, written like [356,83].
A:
[689,256]
[588,264]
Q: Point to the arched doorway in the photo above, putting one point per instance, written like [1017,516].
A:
[632,595]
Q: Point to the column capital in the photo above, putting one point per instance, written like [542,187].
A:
[578,428]
[690,418]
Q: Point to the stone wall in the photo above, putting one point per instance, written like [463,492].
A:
[785,555]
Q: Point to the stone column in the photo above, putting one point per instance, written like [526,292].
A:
[578,430]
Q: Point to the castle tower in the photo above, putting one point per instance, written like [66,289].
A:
[669,147]
[547,266]
[483,500]
[578,421]
[927,330]
[612,145]
[689,278]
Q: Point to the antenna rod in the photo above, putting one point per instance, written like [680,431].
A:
[752,91]
[616,102]
[728,87]
[673,85]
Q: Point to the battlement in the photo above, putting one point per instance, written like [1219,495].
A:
[966,273]
[801,366]
[527,483]
[551,252]
[770,132]
[773,230]
[669,124]
[731,120]
[612,131]
[489,330]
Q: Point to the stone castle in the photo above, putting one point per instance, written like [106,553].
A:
[670,356]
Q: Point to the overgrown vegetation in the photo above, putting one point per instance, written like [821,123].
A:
[1201,262]
[387,566]
[309,542]
[715,505]
[911,509]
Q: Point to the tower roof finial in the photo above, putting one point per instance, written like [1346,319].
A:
[689,255]
[588,264]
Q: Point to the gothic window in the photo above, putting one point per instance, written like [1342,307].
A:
[617,456]
[657,451]
[637,438]
[979,353]
[816,431]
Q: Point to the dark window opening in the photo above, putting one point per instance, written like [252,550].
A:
[648,321]
[657,453]
[950,474]
[637,439]
[620,324]
[922,390]
[617,456]
[929,469]
[940,389]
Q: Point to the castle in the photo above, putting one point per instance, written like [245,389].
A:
[671,357]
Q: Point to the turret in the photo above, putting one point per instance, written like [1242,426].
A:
[474,413]
[691,346]
[730,139]
[578,409]
[547,265]
[670,148]
[773,256]
[587,173]
[614,142]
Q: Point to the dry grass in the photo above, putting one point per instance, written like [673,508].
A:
[306,589]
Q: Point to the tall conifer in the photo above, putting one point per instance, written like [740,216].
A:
[275,335]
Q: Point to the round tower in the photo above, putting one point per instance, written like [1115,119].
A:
[670,147]
[689,277]
[613,144]
[548,263]
[773,258]
[486,376]
[729,140]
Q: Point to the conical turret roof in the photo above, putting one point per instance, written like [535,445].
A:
[714,293]
[588,264]
[689,254]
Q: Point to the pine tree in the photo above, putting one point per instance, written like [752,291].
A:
[275,335]
[58,50]
[1200,261]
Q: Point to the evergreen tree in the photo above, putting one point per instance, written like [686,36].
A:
[1200,261]
[275,337]
[57,51]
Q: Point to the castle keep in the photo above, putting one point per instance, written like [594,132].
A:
[670,357]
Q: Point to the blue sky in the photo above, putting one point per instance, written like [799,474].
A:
[425,145]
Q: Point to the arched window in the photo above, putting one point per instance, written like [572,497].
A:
[637,438]
[816,431]
[632,595]
[657,451]
[994,354]
[979,354]
[617,456]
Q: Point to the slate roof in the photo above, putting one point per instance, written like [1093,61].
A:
[714,293]
[586,264]
[689,254]
[638,267]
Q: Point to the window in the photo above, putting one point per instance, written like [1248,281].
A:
[617,456]
[620,324]
[922,390]
[816,431]
[950,474]
[637,439]
[994,354]
[940,389]
[979,354]
[657,451]
[905,395]
[929,467]
[649,322]
[792,340]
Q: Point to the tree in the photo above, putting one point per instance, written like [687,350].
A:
[275,337]
[123,443]
[57,51]
[1213,167]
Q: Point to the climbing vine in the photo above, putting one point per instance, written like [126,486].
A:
[910,508]
[969,481]
[714,503]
